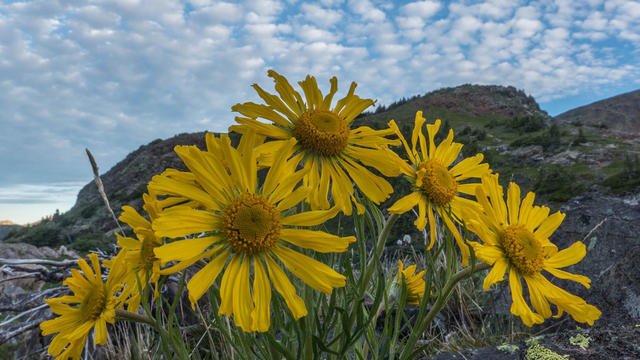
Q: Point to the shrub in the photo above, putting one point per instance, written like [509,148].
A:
[557,183]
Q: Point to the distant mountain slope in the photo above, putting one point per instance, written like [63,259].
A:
[465,102]
[621,112]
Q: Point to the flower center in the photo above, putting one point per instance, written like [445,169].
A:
[251,224]
[436,182]
[147,256]
[93,304]
[523,249]
[322,131]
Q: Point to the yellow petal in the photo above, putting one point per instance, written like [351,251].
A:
[203,279]
[569,256]
[316,274]
[421,221]
[374,187]
[392,124]
[432,227]
[297,196]
[536,294]
[310,218]
[549,225]
[261,128]
[513,202]
[405,203]
[519,306]
[282,284]
[432,130]
[81,331]
[182,250]
[131,217]
[226,286]
[242,302]
[585,281]
[183,221]
[128,243]
[316,240]
[254,110]
[261,316]
[100,337]
[496,274]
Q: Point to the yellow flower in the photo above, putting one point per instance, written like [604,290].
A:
[326,144]
[140,260]
[97,302]
[415,283]
[246,227]
[515,238]
[436,186]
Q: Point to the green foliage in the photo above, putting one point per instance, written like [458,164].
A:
[580,138]
[627,179]
[89,210]
[550,139]
[42,234]
[526,123]
[557,183]
[92,241]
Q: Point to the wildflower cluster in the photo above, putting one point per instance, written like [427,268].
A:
[246,218]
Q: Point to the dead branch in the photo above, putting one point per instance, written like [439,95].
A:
[61,263]
[5,336]
[23,276]
[23,314]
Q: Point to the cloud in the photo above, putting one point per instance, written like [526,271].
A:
[421,9]
[113,75]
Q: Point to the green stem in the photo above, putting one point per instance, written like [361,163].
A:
[439,304]
[377,251]
[127,315]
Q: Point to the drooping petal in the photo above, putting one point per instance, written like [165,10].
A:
[405,203]
[282,284]
[536,294]
[496,274]
[316,274]
[242,301]
[519,307]
[261,316]
[203,279]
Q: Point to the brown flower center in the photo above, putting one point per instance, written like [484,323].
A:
[251,224]
[523,249]
[436,182]
[323,132]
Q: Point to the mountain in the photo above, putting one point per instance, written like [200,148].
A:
[621,113]
[6,227]
[558,160]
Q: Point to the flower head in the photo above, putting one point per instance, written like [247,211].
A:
[332,151]
[140,261]
[515,239]
[438,186]
[96,301]
[415,282]
[246,228]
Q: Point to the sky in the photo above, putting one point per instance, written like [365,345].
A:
[116,74]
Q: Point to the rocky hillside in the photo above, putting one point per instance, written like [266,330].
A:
[621,113]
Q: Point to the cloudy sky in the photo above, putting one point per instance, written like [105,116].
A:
[116,74]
